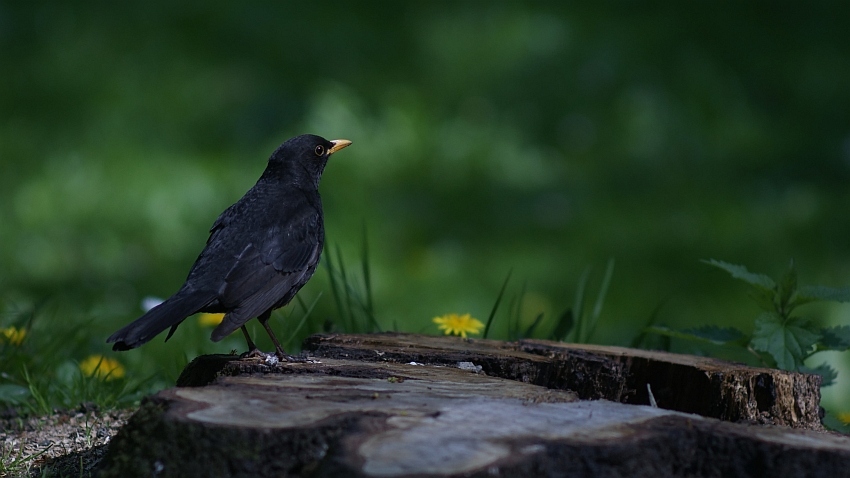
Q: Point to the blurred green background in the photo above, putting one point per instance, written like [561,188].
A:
[543,138]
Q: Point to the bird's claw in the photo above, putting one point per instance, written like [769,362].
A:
[273,358]
[291,358]
[255,353]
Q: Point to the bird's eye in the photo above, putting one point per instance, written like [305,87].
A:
[320,150]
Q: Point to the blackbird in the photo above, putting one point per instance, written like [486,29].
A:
[260,252]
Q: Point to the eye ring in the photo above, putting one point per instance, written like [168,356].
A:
[320,150]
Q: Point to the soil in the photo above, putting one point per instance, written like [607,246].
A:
[69,443]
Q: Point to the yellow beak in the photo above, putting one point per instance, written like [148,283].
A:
[337,145]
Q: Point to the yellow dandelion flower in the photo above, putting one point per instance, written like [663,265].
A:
[102,367]
[844,418]
[210,320]
[13,335]
[458,324]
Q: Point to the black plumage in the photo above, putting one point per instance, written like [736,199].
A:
[260,252]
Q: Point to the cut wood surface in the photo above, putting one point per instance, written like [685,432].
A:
[705,386]
[439,411]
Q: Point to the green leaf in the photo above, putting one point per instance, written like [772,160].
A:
[836,423]
[67,372]
[709,333]
[787,287]
[827,373]
[759,281]
[788,342]
[813,293]
[13,394]
[763,298]
[835,338]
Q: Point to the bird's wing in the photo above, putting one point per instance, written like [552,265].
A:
[223,220]
[270,268]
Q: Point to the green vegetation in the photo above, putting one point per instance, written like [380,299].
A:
[780,337]
[574,324]
[541,138]
[40,373]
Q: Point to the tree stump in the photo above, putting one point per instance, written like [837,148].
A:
[403,405]
[685,383]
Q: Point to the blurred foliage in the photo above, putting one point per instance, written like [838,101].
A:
[542,138]
[781,337]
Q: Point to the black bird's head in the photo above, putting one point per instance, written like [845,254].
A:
[303,158]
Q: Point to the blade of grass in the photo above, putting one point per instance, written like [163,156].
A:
[355,306]
[364,308]
[42,404]
[578,307]
[516,312]
[564,326]
[367,276]
[361,306]
[496,305]
[530,330]
[511,324]
[332,273]
[653,317]
[353,326]
[600,298]
[307,311]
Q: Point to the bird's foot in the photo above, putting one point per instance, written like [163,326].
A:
[273,358]
[260,356]
[254,353]
[291,358]
[282,355]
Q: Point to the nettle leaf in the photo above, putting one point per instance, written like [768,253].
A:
[788,342]
[813,293]
[835,423]
[835,338]
[787,285]
[764,298]
[759,281]
[827,373]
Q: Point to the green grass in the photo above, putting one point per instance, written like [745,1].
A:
[575,324]
[43,374]
[13,462]
[352,295]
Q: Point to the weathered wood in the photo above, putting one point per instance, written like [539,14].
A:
[590,375]
[359,418]
[708,387]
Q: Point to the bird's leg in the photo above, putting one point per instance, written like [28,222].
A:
[281,354]
[278,348]
[251,346]
[253,351]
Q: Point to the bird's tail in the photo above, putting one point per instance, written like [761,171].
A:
[167,314]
